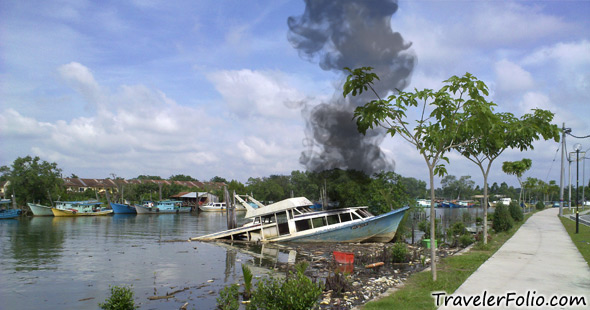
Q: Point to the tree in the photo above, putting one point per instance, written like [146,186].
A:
[31,179]
[507,132]
[218,179]
[517,168]
[182,177]
[458,110]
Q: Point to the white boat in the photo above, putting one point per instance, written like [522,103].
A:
[423,203]
[293,220]
[40,210]
[218,207]
[162,207]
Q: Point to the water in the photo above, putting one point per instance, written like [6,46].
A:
[69,263]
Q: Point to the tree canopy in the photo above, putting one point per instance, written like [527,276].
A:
[32,179]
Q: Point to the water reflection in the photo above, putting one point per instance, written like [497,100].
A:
[33,246]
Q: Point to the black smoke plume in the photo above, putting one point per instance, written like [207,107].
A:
[349,33]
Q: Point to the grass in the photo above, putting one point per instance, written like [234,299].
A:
[452,271]
[581,239]
[567,210]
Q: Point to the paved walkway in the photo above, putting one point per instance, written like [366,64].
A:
[540,259]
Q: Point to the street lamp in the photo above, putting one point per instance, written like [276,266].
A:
[577,148]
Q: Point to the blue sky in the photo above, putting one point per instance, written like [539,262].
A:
[208,88]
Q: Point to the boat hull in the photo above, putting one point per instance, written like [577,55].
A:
[72,213]
[40,210]
[380,228]
[10,213]
[119,208]
[156,210]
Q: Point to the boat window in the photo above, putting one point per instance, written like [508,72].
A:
[363,213]
[319,222]
[345,217]
[356,216]
[303,225]
[282,223]
[333,219]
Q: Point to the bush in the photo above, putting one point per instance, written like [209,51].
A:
[478,220]
[540,205]
[296,292]
[456,230]
[399,253]
[425,227]
[121,299]
[229,298]
[247,282]
[466,217]
[465,240]
[502,221]
[515,211]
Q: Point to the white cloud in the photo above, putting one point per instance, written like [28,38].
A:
[510,77]
[253,93]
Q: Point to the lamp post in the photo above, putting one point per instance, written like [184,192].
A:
[577,148]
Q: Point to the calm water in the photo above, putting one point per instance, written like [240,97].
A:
[69,263]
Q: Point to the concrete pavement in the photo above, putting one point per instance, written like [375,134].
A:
[540,261]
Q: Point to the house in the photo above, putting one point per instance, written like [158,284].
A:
[3,189]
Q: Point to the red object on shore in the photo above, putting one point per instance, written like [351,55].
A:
[343,257]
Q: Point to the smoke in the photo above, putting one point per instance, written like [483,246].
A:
[349,33]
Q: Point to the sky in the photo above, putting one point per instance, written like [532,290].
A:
[236,89]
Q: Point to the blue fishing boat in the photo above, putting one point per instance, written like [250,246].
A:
[293,220]
[162,207]
[6,212]
[119,208]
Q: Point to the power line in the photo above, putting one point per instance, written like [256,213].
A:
[551,167]
[569,133]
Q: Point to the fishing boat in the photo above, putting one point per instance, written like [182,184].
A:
[79,208]
[213,207]
[162,207]
[293,220]
[40,210]
[218,207]
[6,212]
[120,208]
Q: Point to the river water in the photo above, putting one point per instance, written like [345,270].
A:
[69,263]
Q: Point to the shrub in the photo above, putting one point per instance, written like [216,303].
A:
[540,205]
[478,220]
[121,299]
[247,282]
[465,240]
[456,230]
[229,298]
[399,253]
[502,220]
[466,217]
[515,211]
[296,292]
[425,227]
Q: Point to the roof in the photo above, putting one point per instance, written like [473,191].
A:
[282,205]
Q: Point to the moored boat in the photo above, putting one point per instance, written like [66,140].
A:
[6,212]
[120,208]
[293,220]
[162,207]
[218,207]
[39,209]
[79,208]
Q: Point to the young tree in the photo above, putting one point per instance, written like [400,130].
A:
[507,132]
[457,110]
[517,168]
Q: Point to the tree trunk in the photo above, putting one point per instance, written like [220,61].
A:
[432,226]
[485,209]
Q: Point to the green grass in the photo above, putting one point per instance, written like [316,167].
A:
[581,239]
[452,271]
[567,210]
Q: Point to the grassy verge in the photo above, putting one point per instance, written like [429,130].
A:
[451,273]
[567,210]
[581,239]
